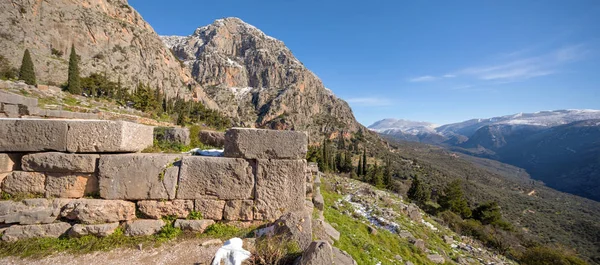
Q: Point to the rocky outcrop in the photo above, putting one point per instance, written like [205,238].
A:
[256,80]
[109,36]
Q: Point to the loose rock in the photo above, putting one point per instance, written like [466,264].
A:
[143,227]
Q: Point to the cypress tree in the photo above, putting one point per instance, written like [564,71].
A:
[364,162]
[359,169]
[27,72]
[387,174]
[74,81]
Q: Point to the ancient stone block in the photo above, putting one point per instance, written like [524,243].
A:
[279,187]
[213,138]
[97,136]
[10,162]
[7,97]
[265,144]
[318,201]
[236,210]
[225,178]
[30,211]
[295,226]
[20,182]
[159,209]
[318,253]
[143,227]
[101,230]
[60,162]
[139,176]
[193,225]
[342,257]
[172,135]
[17,232]
[92,211]
[31,135]
[210,208]
[67,185]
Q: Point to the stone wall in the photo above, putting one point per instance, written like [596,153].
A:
[88,177]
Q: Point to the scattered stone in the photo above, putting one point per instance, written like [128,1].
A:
[265,144]
[318,201]
[60,162]
[211,242]
[143,227]
[172,135]
[159,209]
[68,185]
[435,258]
[420,244]
[317,253]
[405,234]
[92,211]
[21,182]
[372,230]
[138,176]
[210,208]
[10,162]
[279,187]
[17,232]
[102,136]
[32,135]
[341,257]
[398,258]
[212,138]
[193,225]
[413,213]
[239,210]
[225,178]
[331,232]
[295,226]
[448,239]
[101,230]
[408,263]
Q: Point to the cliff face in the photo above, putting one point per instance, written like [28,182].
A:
[109,35]
[257,80]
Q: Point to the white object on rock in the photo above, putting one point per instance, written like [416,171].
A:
[209,152]
[231,252]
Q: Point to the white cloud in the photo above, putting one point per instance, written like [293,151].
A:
[424,78]
[369,101]
[449,76]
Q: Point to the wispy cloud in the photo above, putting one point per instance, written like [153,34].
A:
[369,101]
[424,78]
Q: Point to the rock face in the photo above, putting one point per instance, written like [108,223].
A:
[109,35]
[256,80]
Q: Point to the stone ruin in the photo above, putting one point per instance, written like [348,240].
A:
[83,177]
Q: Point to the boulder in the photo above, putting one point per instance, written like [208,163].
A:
[212,138]
[420,244]
[32,135]
[448,239]
[225,178]
[101,230]
[176,135]
[60,162]
[17,232]
[414,213]
[101,136]
[295,226]
[20,182]
[341,257]
[265,144]
[279,187]
[67,185]
[10,162]
[318,253]
[210,208]
[435,258]
[193,225]
[159,209]
[239,210]
[138,176]
[92,211]
[143,227]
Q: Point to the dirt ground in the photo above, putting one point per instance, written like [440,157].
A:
[184,252]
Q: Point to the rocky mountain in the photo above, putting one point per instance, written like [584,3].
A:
[109,36]
[414,131]
[256,80]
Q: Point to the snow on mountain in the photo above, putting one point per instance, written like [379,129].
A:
[405,126]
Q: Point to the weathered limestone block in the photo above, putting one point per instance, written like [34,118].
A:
[7,97]
[31,135]
[92,211]
[172,135]
[265,144]
[143,227]
[60,162]
[10,162]
[318,253]
[159,209]
[318,201]
[98,136]
[280,187]
[20,182]
[66,185]
[342,257]
[101,230]
[17,232]
[30,211]
[225,178]
[193,225]
[213,138]
[295,226]
[210,208]
[138,176]
[236,210]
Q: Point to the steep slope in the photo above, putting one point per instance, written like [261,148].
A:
[109,36]
[257,80]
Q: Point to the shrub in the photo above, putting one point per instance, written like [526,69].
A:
[56,52]
[275,250]
[6,70]
[549,256]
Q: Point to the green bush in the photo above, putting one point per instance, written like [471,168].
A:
[549,256]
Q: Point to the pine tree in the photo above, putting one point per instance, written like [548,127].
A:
[418,191]
[364,162]
[27,72]
[454,200]
[74,81]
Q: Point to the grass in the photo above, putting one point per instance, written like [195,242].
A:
[226,231]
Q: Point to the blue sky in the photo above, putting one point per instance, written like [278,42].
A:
[436,61]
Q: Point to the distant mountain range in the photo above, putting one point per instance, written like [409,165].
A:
[560,148]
